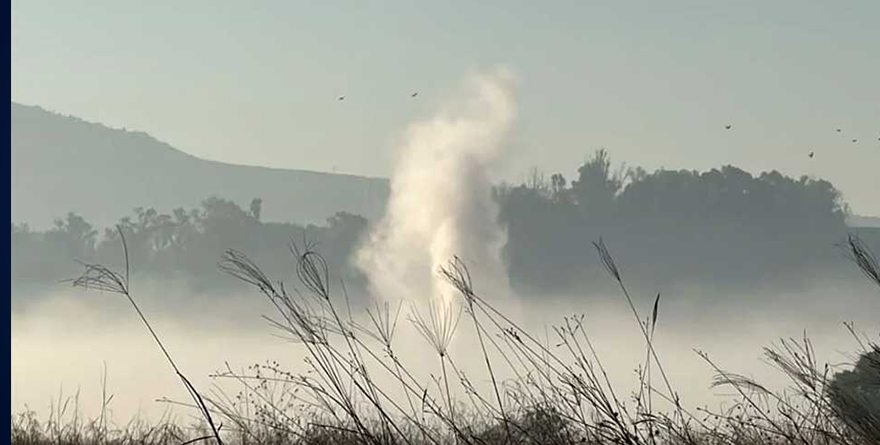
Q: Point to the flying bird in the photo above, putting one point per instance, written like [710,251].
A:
[414,94]
[838,130]
[811,155]
[855,140]
[728,127]
[341,98]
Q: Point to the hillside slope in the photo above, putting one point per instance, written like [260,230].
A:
[62,164]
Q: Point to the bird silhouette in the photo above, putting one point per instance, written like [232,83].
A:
[414,94]
[341,98]
[728,127]
[839,130]
[811,155]
[855,140]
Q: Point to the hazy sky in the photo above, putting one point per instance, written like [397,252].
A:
[653,82]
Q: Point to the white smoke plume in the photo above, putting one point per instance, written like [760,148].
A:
[441,201]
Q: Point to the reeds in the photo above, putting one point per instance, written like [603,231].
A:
[538,392]
[858,252]
[96,276]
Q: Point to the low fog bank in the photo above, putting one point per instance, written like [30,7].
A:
[820,291]
[60,345]
[730,276]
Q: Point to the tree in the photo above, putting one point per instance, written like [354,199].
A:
[74,236]
[536,182]
[557,187]
[256,207]
[596,185]
[856,393]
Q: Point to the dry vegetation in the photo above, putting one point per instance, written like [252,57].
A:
[558,394]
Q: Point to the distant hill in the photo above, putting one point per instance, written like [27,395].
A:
[62,164]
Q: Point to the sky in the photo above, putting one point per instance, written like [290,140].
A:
[654,83]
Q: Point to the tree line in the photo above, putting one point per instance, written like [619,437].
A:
[722,227]
[185,244]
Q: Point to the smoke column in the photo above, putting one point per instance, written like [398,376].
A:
[441,201]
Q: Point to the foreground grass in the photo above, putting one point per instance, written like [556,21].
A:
[558,395]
